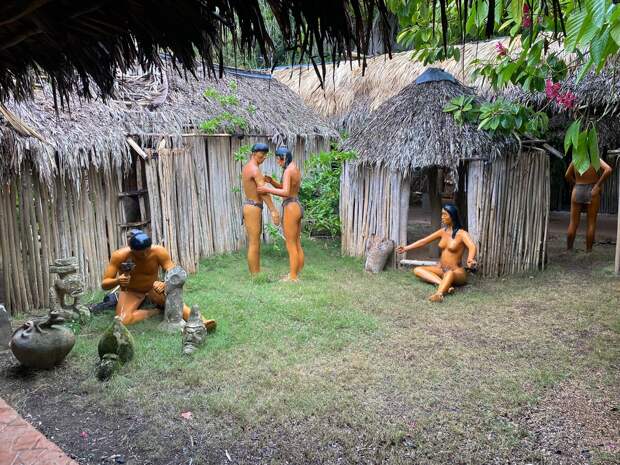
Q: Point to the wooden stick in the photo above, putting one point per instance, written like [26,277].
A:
[134,145]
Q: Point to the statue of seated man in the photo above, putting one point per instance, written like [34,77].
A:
[139,280]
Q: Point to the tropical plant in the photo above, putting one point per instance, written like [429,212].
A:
[590,29]
[320,192]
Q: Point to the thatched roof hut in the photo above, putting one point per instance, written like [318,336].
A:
[72,183]
[410,131]
[94,132]
[77,43]
[504,192]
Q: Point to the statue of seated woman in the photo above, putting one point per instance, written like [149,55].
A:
[453,240]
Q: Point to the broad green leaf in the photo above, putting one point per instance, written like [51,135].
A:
[615,33]
[574,23]
[598,46]
[593,149]
[581,162]
[569,137]
[614,17]
[597,10]
[610,49]
[482,11]
[588,31]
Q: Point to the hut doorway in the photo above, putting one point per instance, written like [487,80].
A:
[429,192]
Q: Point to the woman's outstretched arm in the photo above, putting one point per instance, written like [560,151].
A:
[421,243]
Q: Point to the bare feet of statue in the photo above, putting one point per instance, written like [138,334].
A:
[210,325]
[436,297]
[288,279]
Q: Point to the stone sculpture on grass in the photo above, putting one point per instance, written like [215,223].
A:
[116,347]
[194,332]
[68,289]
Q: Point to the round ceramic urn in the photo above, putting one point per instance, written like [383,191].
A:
[43,344]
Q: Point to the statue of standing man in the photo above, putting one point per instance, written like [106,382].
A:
[251,178]
[586,195]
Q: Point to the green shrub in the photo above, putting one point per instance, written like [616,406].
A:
[320,192]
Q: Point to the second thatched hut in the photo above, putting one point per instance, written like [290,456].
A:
[503,192]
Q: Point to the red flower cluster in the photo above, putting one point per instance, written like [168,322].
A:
[552,91]
[567,100]
[527,17]
[501,50]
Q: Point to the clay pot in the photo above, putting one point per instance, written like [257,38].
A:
[44,344]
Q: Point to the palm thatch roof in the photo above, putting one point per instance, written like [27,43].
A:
[78,43]
[410,131]
[93,132]
[351,93]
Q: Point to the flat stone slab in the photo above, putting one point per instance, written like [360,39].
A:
[22,444]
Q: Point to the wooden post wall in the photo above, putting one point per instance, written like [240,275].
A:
[508,212]
[372,201]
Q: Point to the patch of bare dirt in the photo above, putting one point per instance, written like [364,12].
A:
[574,425]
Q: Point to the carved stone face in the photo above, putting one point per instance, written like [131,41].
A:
[192,338]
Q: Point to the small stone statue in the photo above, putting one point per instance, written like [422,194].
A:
[43,343]
[173,312]
[116,347]
[194,332]
[68,286]
[5,328]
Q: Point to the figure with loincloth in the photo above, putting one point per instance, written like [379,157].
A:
[292,210]
[135,269]
[453,240]
[586,193]
[252,178]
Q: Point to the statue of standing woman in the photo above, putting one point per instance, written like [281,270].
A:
[453,240]
[292,211]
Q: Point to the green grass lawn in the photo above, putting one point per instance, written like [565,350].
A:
[347,367]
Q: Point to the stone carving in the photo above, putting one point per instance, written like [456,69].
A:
[194,332]
[5,328]
[378,251]
[116,347]
[68,289]
[43,343]
[173,312]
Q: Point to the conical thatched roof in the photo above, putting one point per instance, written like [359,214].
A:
[93,132]
[411,131]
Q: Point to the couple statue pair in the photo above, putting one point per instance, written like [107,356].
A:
[139,282]
[258,193]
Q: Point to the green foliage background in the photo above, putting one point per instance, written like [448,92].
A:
[320,192]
